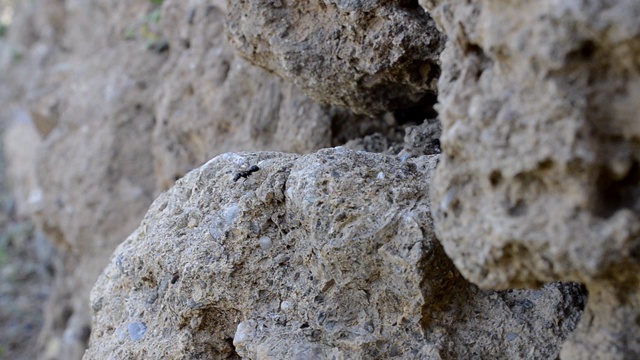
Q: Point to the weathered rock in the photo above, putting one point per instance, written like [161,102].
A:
[370,56]
[423,139]
[540,178]
[328,254]
[125,100]
[376,143]
[211,101]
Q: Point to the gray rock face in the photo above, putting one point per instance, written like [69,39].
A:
[329,254]
[370,56]
[540,178]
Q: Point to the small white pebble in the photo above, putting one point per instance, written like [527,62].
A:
[404,155]
[35,197]
[286,305]
[448,199]
[265,243]
[136,330]
[380,175]
[230,214]
[244,332]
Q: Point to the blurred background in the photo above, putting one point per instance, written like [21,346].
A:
[25,269]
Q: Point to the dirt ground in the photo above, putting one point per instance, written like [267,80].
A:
[25,278]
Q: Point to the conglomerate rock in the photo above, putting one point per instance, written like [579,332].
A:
[540,175]
[370,56]
[538,181]
[328,255]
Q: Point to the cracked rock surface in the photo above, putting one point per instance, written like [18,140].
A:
[325,255]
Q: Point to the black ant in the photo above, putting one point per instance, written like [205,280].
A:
[245,174]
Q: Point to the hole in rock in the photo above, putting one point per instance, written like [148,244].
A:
[517,209]
[413,5]
[495,178]
[585,51]
[614,195]
[416,114]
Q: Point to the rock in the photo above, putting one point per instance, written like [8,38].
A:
[211,101]
[423,139]
[376,143]
[352,270]
[539,179]
[114,118]
[370,56]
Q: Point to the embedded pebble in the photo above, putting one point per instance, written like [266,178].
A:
[404,155]
[265,243]
[286,305]
[448,199]
[136,330]
[244,333]
[230,214]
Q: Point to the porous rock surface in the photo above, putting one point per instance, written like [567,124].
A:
[328,255]
[540,174]
[370,56]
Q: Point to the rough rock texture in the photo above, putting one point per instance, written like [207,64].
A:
[370,56]
[540,178]
[211,101]
[328,255]
[538,182]
[119,100]
[423,139]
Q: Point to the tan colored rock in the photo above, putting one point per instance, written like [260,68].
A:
[371,56]
[540,178]
[328,254]
[211,101]
[124,107]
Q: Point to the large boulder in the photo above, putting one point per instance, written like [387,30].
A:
[540,175]
[371,56]
[326,255]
